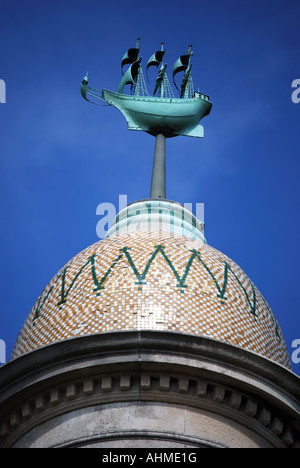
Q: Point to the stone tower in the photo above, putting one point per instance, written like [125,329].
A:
[151,337]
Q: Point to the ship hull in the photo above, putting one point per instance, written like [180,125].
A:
[170,117]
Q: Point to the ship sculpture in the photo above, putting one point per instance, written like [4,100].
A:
[162,114]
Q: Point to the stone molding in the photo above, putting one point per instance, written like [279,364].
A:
[163,367]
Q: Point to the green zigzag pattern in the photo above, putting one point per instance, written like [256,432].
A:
[141,279]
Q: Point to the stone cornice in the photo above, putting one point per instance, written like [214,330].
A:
[150,366]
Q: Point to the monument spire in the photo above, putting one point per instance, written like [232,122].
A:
[158,181]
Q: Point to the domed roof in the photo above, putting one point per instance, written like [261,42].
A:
[153,281]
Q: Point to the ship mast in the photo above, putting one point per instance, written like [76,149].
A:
[158,179]
[161,69]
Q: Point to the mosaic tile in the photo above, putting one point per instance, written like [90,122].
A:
[155,281]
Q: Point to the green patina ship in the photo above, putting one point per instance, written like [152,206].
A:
[161,114]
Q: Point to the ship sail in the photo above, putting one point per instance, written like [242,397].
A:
[160,78]
[130,75]
[131,55]
[155,59]
[183,64]
[185,80]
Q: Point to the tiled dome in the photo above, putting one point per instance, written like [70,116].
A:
[153,281]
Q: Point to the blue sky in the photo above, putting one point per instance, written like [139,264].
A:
[61,157]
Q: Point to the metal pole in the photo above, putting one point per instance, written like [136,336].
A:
[158,181]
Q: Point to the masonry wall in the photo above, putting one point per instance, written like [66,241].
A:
[154,389]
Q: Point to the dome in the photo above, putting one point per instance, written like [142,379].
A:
[153,281]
